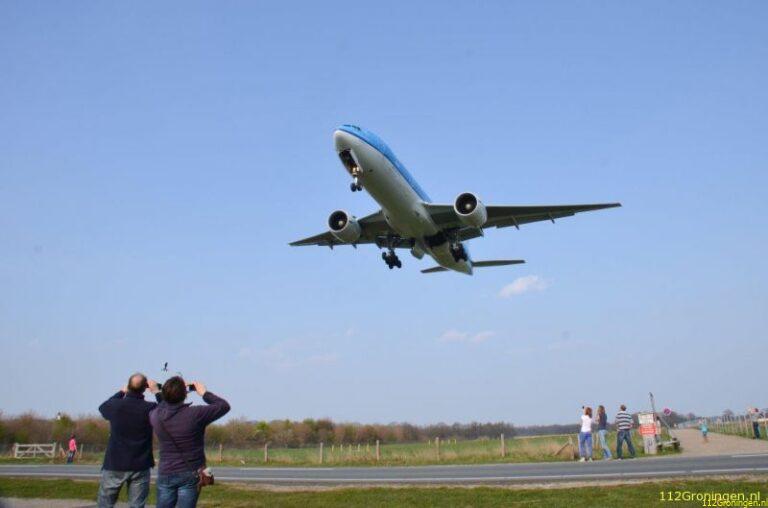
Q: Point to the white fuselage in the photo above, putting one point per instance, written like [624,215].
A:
[402,206]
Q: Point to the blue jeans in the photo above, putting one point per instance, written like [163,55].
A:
[112,481]
[585,445]
[177,489]
[624,435]
[604,444]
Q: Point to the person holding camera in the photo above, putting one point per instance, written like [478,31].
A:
[180,430]
[128,458]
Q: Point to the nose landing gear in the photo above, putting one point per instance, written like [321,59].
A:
[391,259]
[355,185]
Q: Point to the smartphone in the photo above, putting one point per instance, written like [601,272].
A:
[190,388]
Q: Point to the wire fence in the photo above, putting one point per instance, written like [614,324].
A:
[748,425]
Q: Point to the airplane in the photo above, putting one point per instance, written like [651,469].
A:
[408,218]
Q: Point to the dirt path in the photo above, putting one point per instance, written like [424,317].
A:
[718,444]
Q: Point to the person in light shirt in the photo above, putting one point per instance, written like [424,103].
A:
[585,436]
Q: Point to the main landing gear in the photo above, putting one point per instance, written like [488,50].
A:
[356,185]
[391,259]
[458,252]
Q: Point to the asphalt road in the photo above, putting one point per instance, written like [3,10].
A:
[663,467]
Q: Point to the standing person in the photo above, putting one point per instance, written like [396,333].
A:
[585,436]
[754,416]
[180,430]
[71,449]
[602,431]
[624,432]
[704,430]
[128,458]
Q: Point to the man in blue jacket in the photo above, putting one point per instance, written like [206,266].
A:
[129,452]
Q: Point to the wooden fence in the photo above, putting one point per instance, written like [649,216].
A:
[24,451]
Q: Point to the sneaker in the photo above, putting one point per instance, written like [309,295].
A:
[582,459]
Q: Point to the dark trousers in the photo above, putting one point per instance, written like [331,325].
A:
[624,436]
[756,429]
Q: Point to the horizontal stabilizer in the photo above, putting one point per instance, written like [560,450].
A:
[435,269]
[479,264]
[497,262]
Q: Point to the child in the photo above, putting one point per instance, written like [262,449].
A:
[704,430]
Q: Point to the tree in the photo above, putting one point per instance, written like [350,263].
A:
[63,426]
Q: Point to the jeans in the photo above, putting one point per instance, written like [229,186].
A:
[624,435]
[177,489]
[604,444]
[70,457]
[585,445]
[112,482]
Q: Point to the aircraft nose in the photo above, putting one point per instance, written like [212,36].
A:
[342,140]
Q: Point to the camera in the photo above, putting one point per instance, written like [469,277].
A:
[190,387]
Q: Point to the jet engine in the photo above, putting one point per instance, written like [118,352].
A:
[344,227]
[470,210]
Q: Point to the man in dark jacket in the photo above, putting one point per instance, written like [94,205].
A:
[129,452]
[180,430]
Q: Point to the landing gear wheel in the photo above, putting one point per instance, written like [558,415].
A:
[459,254]
[391,259]
[359,187]
[353,187]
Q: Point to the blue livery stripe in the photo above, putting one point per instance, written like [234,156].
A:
[377,143]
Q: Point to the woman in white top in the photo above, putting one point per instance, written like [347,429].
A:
[585,436]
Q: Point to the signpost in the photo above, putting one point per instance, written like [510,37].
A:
[648,431]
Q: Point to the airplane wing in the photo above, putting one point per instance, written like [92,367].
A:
[374,230]
[502,216]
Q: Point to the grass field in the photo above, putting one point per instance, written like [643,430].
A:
[236,495]
[524,449]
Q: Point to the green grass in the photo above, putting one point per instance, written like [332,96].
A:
[634,495]
[480,451]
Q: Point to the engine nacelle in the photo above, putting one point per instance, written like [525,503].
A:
[470,210]
[344,227]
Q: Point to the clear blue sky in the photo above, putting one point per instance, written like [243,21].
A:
[156,159]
